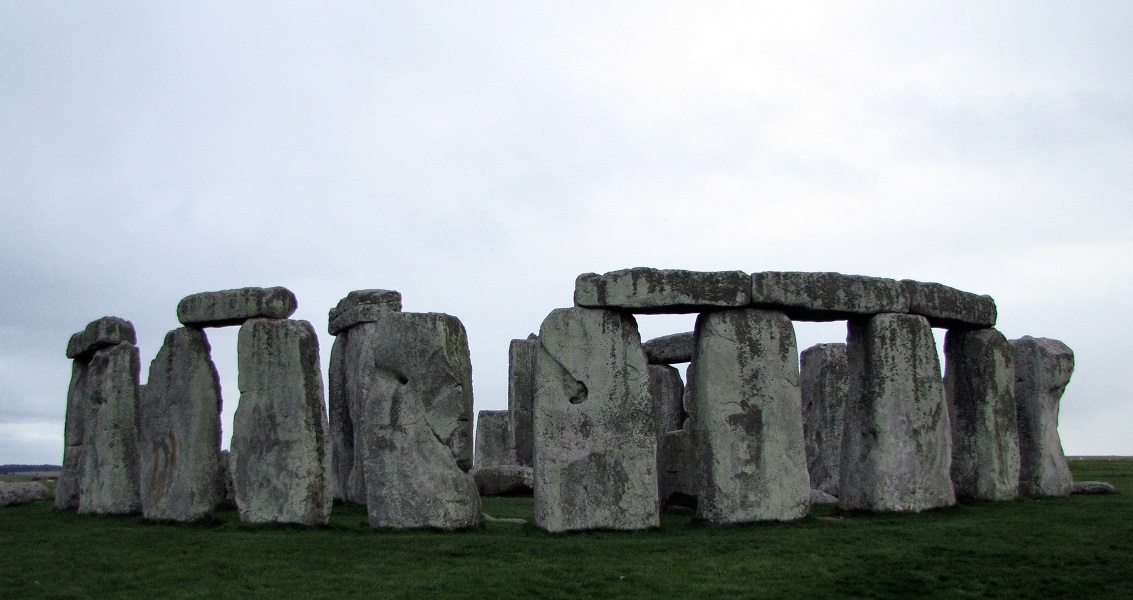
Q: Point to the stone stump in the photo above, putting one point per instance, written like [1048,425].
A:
[979,383]
[677,472]
[280,456]
[746,418]
[491,439]
[521,398]
[1042,370]
[825,387]
[595,436]
[668,390]
[897,441]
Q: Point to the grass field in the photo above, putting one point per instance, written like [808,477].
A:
[1051,548]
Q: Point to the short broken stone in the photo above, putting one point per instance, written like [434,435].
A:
[1093,488]
[101,333]
[362,306]
[677,474]
[659,291]
[949,307]
[504,480]
[1042,371]
[22,492]
[233,307]
[491,439]
[669,349]
[827,296]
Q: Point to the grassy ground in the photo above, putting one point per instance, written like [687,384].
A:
[1056,547]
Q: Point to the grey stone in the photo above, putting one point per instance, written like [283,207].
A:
[101,333]
[979,383]
[521,398]
[347,483]
[746,418]
[821,497]
[677,473]
[653,291]
[827,296]
[897,441]
[668,390]
[669,349]
[280,456]
[362,306]
[179,431]
[824,383]
[504,480]
[1042,370]
[108,475]
[227,496]
[22,492]
[1093,488]
[491,439]
[949,307]
[234,307]
[595,435]
[79,411]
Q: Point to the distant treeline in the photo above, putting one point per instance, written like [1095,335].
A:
[24,468]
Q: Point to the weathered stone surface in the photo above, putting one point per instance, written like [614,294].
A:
[746,418]
[821,497]
[1042,370]
[1093,488]
[949,307]
[824,383]
[668,390]
[79,411]
[827,296]
[179,431]
[491,439]
[653,291]
[504,480]
[669,349]
[362,306]
[897,442]
[521,399]
[280,456]
[108,475]
[22,492]
[227,496]
[677,473]
[595,435]
[347,479]
[101,333]
[234,307]
[979,383]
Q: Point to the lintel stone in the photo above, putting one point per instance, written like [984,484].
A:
[827,296]
[644,290]
[362,306]
[233,307]
[101,333]
[949,307]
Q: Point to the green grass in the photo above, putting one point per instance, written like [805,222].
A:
[1050,548]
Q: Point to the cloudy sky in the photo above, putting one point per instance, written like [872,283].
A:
[477,156]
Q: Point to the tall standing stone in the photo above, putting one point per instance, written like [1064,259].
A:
[1042,370]
[280,452]
[595,436]
[668,390]
[521,399]
[897,441]
[491,439]
[746,419]
[979,382]
[825,386]
[179,431]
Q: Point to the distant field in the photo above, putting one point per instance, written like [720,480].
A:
[1057,547]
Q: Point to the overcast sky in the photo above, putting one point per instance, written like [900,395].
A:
[478,156]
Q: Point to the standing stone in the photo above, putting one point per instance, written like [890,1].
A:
[668,390]
[280,455]
[521,398]
[677,471]
[1042,370]
[746,418]
[825,386]
[595,436]
[346,471]
[108,477]
[897,442]
[979,382]
[179,430]
[491,439]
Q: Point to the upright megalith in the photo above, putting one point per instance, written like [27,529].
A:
[233,307]
[979,382]
[745,418]
[824,383]
[595,436]
[897,442]
[100,456]
[491,439]
[179,431]
[521,398]
[668,390]
[1042,370]
[280,457]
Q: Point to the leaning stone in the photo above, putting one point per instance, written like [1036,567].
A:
[676,470]
[1092,488]
[668,390]
[22,492]
[821,497]
[746,421]
[827,296]
[897,443]
[824,384]
[280,457]
[595,436]
[979,383]
[233,307]
[669,349]
[949,307]
[1042,370]
[102,333]
[179,431]
[521,398]
[504,480]
[108,477]
[652,291]
[362,306]
[491,439]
